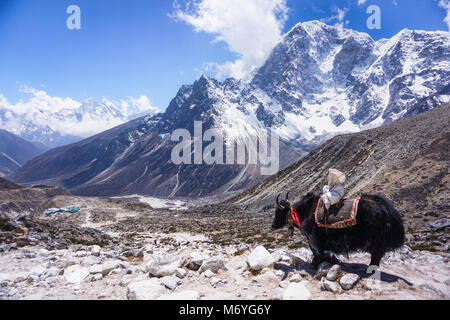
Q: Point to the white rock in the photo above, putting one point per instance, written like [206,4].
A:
[333,273]
[126,279]
[348,281]
[214,264]
[326,285]
[76,274]
[279,273]
[80,254]
[44,252]
[90,260]
[163,265]
[180,273]
[169,282]
[183,295]
[53,272]
[268,277]
[109,266]
[296,291]
[208,274]
[260,258]
[239,266]
[277,254]
[301,255]
[97,277]
[198,258]
[95,269]
[145,290]
[214,281]
[296,278]
[95,250]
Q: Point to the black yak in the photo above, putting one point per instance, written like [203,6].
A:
[379,228]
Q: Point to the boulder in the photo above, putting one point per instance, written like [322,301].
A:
[334,272]
[90,260]
[145,290]
[76,274]
[214,281]
[348,281]
[260,258]
[95,250]
[109,266]
[296,291]
[209,274]
[268,277]
[239,266]
[214,264]
[180,273]
[296,278]
[326,285]
[96,269]
[193,261]
[169,282]
[300,256]
[97,277]
[53,272]
[80,254]
[163,265]
[439,225]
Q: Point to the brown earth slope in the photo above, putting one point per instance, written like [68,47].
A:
[17,200]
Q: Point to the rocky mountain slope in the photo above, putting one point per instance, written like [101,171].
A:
[15,152]
[135,158]
[319,81]
[407,161]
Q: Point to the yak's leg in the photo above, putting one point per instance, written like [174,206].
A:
[318,253]
[376,256]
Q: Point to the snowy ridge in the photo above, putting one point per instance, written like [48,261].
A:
[320,81]
[54,128]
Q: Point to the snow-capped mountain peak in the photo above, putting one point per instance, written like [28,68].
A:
[54,127]
[319,81]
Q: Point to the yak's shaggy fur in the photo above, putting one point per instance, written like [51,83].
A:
[379,229]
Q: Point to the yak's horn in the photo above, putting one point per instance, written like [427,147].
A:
[287,195]
[278,203]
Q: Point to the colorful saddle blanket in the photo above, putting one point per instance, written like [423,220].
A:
[342,215]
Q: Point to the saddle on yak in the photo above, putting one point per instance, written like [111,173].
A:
[341,215]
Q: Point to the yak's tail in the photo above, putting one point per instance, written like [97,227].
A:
[395,230]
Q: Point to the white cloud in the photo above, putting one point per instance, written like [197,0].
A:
[361,2]
[338,16]
[42,101]
[250,28]
[445,4]
[59,114]
[141,105]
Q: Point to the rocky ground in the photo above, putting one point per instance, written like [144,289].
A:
[115,249]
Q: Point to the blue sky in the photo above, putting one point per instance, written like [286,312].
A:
[129,48]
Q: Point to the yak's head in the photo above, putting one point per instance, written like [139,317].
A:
[282,209]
